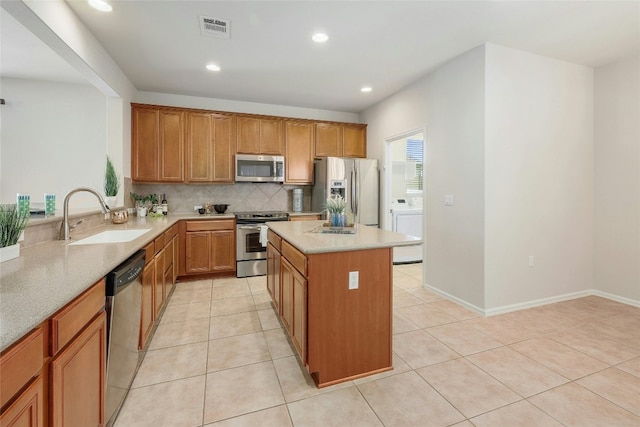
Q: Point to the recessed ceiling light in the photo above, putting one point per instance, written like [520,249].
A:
[365,89]
[320,37]
[213,67]
[100,5]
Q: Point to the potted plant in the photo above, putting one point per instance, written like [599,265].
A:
[12,223]
[111,184]
[335,206]
[140,203]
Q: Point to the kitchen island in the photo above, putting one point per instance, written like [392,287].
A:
[333,293]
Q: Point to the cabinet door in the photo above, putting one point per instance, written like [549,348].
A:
[299,148]
[169,267]
[273,275]
[176,257]
[171,146]
[144,144]
[223,250]
[147,314]
[355,141]
[197,255]
[286,281]
[26,410]
[158,288]
[248,135]
[224,147]
[78,378]
[299,335]
[271,139]
[328,140]
[199,149]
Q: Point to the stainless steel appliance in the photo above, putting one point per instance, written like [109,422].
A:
[251,241]
[257,168]
[123,306]
[357,180]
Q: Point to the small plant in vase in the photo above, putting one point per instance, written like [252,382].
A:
[111,184]
[336,205]
[140,202]
[12,223]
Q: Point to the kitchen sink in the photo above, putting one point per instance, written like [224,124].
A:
[112,236]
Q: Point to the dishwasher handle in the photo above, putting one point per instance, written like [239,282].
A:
[125,273]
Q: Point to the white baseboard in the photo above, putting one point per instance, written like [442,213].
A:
[533,303]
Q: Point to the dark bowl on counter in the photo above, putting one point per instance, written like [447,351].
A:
[220,208]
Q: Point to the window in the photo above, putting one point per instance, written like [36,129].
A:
[414,168]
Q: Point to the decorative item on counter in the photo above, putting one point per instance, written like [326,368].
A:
[207,208]
[202,211]
[111,184]
[49,204]
[335,207]
[119,217]
[220,208]
[297,200]
[24,204]
[165,205]
[140,202]
[12,224]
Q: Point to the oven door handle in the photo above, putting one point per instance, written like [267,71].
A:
[248,227]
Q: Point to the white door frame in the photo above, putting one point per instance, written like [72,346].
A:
[386,197]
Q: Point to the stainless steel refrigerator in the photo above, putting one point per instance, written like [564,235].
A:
[357,180]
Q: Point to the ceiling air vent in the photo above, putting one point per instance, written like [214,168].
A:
[216,27]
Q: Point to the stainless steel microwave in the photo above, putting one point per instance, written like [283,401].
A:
[258,168]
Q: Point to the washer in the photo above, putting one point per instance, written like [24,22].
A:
[406,218]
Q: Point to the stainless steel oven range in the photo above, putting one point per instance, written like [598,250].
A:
[251,241]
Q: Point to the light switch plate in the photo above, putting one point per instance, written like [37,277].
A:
[353,279]
[448,199]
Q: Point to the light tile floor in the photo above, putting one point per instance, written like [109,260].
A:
[221,358]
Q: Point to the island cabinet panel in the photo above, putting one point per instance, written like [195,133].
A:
[299,143]
[273,275]
[260,136]
[349,330]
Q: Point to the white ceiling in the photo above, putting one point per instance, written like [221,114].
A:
[270,57]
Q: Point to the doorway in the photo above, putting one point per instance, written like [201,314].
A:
[403,195]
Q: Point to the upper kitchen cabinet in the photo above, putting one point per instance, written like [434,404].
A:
[299,147]
[260,136]
[157,144]
[340,140]
[211,145]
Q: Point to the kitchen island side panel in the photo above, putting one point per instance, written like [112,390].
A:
[349,330]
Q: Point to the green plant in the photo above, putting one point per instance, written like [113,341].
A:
[111,181]
[142,199]
[336,204]
[12,223]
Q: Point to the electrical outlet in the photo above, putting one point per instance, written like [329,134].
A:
[448,199]
[195,208]
[353,279]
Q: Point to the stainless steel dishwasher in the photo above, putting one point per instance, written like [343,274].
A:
[123,306]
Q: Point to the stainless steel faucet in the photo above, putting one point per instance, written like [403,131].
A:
[64,227]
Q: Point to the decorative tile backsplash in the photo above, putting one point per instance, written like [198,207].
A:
[240,197]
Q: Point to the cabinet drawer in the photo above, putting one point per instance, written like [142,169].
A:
[149,253]
[222,224]
[159,243]
[295,257]
[71,319]
[274,239]
[19,364]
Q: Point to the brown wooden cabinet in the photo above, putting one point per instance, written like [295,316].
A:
[28,409]
[294,305]
[309,217]
[211,145]
[273,269]
[260,136]
[209,247]
[147,316]
[299,143]
[340,140]
[157,144]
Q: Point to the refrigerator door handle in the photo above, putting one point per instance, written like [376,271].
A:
[357,185]
[354,206]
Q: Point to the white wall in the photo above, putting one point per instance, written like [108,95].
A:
[450,101]
[538,177]
[53,139]
[617,179]
[243,107]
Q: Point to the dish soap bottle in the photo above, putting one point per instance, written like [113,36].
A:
[165,206]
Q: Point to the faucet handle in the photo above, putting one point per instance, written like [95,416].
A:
[73,226]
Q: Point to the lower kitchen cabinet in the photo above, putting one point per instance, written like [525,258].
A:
[209,247]
[273,273]
[27,409]
[147,315]
[78,377]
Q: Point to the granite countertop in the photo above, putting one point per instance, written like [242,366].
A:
[49,275]
[300,234]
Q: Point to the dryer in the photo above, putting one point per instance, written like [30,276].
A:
[406,218]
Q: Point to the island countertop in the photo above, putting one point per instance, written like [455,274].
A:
[301,235]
